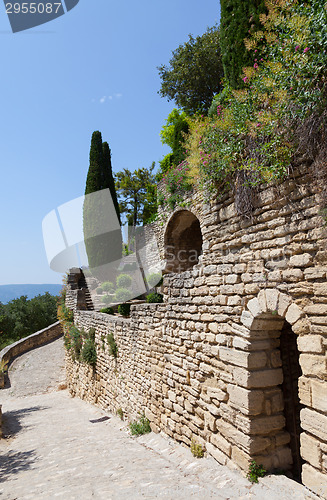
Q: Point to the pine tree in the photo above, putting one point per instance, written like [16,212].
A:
[238,19]
[109,181]
[103,247]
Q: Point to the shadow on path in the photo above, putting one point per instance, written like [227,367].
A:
[12,421]
[14,462]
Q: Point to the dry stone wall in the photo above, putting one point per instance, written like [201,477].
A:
[209,364]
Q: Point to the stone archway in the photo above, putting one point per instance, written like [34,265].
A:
[183,242]
[272,321]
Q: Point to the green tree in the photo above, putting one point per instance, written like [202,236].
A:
[239,18]
[194,73]
[103,245]
[173,134]
[136,194]
[109,181]
[22,317]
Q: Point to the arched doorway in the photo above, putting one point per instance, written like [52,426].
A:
[183,242]
[272,378]
[290,388]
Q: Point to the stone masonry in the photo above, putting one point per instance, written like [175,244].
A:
[208,364]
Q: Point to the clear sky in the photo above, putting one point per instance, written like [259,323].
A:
[95,68]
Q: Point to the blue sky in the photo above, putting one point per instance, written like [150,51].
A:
[95,68]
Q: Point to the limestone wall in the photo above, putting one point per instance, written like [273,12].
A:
[207,364]
[37,339]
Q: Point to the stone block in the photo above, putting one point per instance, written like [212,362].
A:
[284,302]
[249,402]
[272,296]
[310,343]
[301,327]
[315,423]
[305,391]
[314,480]
[241,458]
[254,307]
[320,289]
[316,309]
[221,443]
[313,364]
[310,450]
[265,425]
[294,313]
[304,260]
[319,395]
[216,454]
[258,379]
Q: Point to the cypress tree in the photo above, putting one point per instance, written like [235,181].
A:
[239,18]
[102,248]
[109,181]
[94,180]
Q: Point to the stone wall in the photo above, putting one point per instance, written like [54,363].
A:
[208,364]
[37,339]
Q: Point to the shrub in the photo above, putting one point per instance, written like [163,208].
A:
[106,299]
[255,471]
[113,349]
[122,294]
[89,354]
[197,450]
[124,309]
[99,290]
[76,342]
[140,427]
[153,298]
[107,310]
[108,286]
[154,279]
[124,281]
[120,414]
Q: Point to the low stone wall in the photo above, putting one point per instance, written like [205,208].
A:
[210,363]
[37,339]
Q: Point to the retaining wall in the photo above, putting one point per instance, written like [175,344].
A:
[207,364]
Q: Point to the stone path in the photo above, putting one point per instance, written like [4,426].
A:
[52,450]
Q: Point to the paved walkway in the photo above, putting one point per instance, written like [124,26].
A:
[52,450]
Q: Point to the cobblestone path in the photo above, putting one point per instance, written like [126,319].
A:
[52,449]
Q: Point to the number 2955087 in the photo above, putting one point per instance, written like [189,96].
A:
[33,8]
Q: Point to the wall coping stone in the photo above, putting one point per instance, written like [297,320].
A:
[37,339]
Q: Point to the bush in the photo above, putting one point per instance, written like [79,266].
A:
[107,310]
[76,342]
[255,471]
[113,349]
[106,299]
[197,450]
[140,427]
[124,309]
[122,294]
[99,290]
[124,281]
[154,279]
[153,298]
[108,286]
[89,354]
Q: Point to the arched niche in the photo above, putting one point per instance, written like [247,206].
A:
[183,242]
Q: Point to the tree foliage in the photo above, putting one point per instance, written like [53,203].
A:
[137,194]
[238,19]
[194,73]
[173,134]
[103,246]
[22,317]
